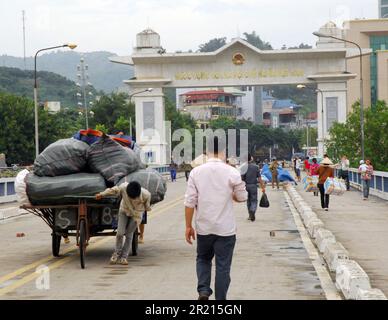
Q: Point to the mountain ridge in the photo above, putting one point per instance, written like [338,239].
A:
[104,75]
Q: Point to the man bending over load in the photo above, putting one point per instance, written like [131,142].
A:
[134,201]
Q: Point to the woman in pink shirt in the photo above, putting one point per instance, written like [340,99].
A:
[366,170]
[314,171]
[314,168]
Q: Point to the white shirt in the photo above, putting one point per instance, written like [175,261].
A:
[210,190]
[345,164]
[298,164]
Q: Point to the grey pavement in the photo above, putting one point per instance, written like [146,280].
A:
[264,266]
[362,227]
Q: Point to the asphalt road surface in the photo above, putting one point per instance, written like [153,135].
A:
[270,261]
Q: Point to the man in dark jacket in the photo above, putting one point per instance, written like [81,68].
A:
[252,177]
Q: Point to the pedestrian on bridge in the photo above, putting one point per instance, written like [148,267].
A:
[252,177]
[134,201]
[366,170]
[211,189]
[274,171]
[324,172]
[343,173]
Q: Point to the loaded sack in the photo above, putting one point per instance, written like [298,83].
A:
[66,156]
[56,190]
[111,160]
[151,180]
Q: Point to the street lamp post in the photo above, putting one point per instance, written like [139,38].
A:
[71,46]
[130,100]
[322,35]
[317,90]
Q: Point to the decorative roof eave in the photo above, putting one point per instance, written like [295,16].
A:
[139,58]
[127,60]
[332,76]
[141,82]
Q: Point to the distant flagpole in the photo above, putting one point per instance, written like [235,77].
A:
[24,38]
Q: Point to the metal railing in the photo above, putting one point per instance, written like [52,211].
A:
[7,190]
[378,184]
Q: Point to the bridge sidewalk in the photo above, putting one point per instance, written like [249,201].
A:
[362,227]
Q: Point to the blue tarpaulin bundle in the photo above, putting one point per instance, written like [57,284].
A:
[283,175]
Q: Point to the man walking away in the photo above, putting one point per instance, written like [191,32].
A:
[298,164]
[274,171]
[187,168]
[324,172]
[211,189]
[252,177]
[173,169]
[344,171]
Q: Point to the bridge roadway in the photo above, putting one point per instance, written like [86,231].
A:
[274,259]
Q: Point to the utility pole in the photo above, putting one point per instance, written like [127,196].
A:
[83,77]
[24,38]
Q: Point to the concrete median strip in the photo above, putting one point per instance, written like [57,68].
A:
[334,253]
[323,239]
[350,278]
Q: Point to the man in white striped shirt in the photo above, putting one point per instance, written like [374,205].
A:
[211,189]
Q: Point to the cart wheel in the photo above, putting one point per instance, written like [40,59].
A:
[135,242]
[56,244]
[82,242]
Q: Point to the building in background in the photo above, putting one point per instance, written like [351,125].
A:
[252,104]
[52,106]
[207,105]
[372,36]
[383,9]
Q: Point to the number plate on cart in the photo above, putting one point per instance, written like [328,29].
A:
[67,218]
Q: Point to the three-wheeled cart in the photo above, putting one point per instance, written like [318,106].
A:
[89,218]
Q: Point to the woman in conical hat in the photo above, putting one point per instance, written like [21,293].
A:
[324,172]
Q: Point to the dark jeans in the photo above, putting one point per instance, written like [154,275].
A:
[325,198]
[173,174]
[344,174]
[252,198]
[208,247]
[187,174]
[365,188]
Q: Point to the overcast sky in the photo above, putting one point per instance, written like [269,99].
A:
[111,25]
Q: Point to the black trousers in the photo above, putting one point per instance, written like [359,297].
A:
[325,198]
[345,175]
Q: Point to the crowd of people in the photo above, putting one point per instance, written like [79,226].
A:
[325,169]
[211,190]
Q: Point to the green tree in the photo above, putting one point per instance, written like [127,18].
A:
[212,45]
[302,46]
[122,124]
[109,108]
[102,128]
[255,40]
[17,133]
[345,137]
[312,137]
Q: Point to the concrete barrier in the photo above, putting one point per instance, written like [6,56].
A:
[308,215]
[323,238]
[335,253]
[373,294]
[313,226]
[10,213]
[350,277]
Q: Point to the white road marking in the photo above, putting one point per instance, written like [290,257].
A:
[317,261]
